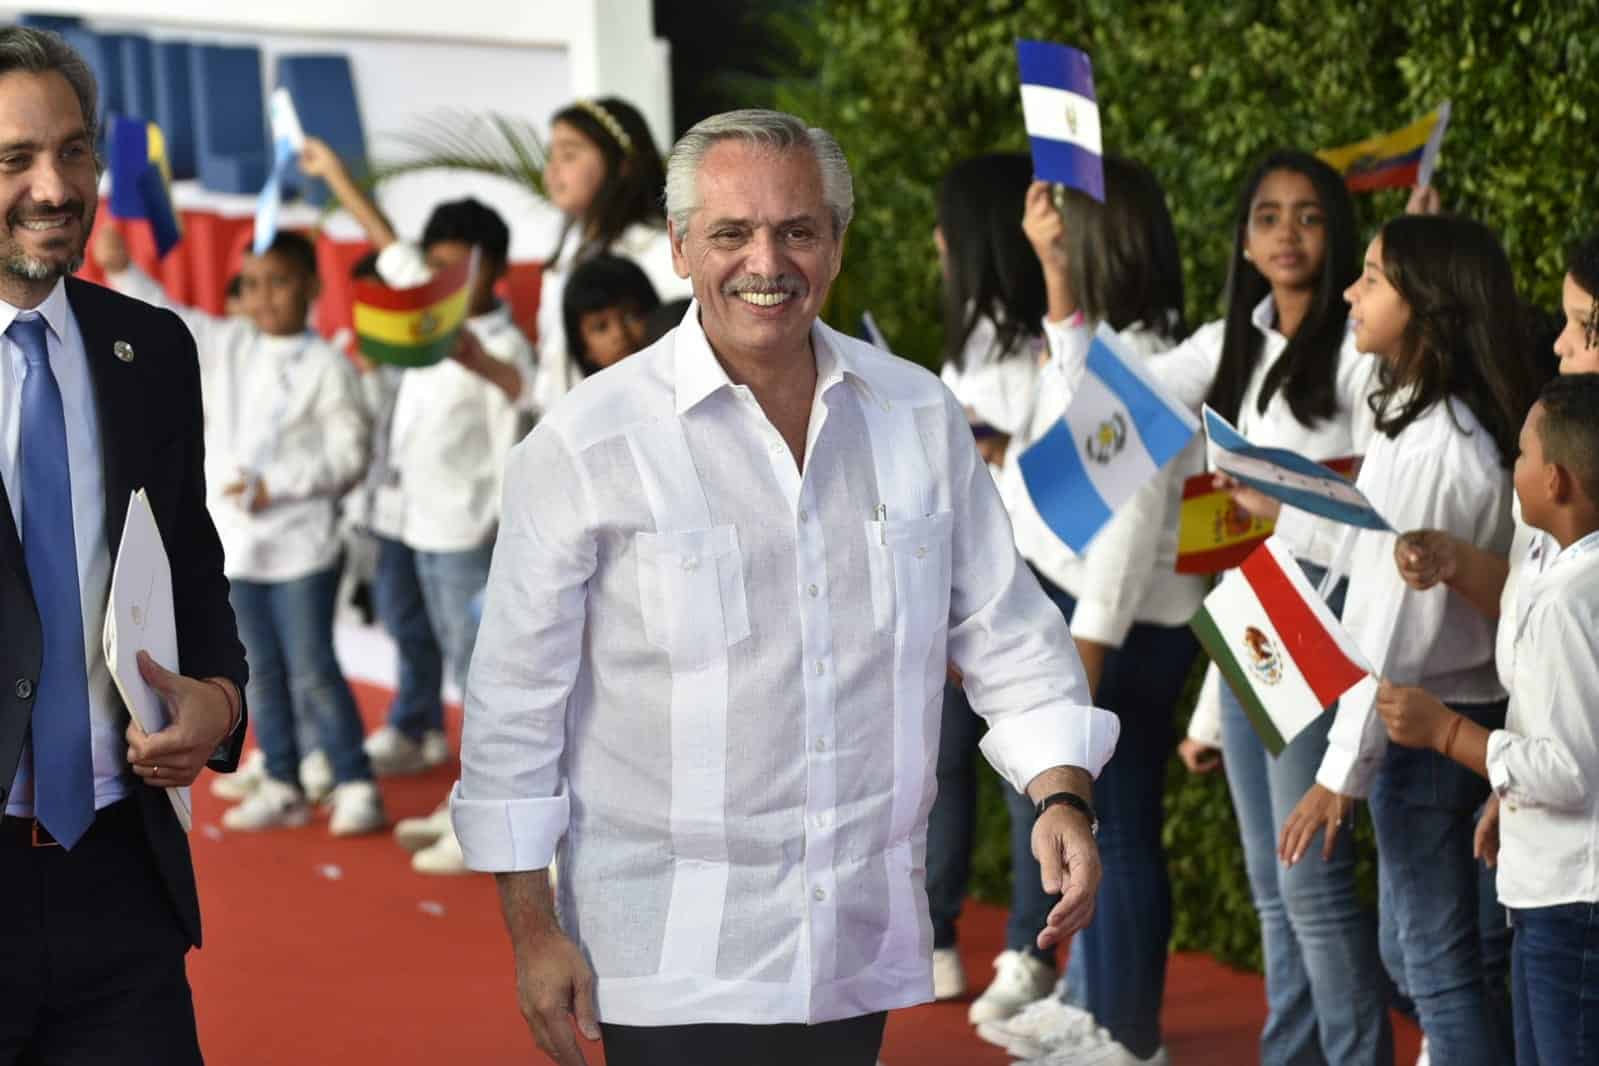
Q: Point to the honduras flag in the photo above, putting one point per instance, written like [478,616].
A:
[288,138]
[141,179]
[1116,434]
[1062,115]
[1289,477]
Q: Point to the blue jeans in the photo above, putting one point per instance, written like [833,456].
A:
[1325,1000]
[1555,985]
[287,630]
[1424,809]
[951,826]
[423,600]
[1117,969]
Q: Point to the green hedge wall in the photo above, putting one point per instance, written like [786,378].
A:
[1197,89]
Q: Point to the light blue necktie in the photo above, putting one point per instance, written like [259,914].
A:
[63,763]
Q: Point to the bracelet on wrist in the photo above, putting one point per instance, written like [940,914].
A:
[1074,801]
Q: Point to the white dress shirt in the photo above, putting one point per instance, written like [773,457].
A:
[996,386]
[286,410]
[1545,763]
[70,364]
[1128,574]
[647,246]
[449,432]
[720,680]
[1532,551]
[1443,471]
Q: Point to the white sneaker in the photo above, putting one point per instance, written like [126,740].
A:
[1098,1048]
[1425,1058]
[273,805]
[243,781]
[949,976]
[316,776]
[1039,1028]
[357,808]
[414,834]
[443,856]
[392,752]
[1019,979]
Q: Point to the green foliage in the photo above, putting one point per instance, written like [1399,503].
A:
[1197,90]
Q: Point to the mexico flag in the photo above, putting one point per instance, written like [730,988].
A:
[1277,644]
[412,327]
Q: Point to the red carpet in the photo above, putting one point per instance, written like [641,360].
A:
[326,952]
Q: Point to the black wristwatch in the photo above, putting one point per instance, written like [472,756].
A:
[1073,800]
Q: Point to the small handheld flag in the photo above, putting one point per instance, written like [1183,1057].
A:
[1289,477]
[873,333]
[141,179]
[288,138]
[1215,534]
[1116,434]
[1278,645]
[412,327]
[1062,115]
[1398,159]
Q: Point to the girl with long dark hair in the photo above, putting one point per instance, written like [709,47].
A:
[1436,303]
[606,177]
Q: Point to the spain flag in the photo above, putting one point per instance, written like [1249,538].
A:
[412,327]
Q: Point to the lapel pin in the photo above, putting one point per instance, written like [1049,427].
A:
[123,350]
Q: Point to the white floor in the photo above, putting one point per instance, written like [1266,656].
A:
[367,654]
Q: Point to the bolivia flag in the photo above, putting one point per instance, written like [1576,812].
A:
[412,327]
[141,179]
[1392,160]
[1215,534]
[1277,644]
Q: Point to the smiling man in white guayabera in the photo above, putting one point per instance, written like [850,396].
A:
[730,574]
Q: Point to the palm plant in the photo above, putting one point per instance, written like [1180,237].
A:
[486,143]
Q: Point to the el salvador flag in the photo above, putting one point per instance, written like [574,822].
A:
[1062,115]
[1116,434]
[288,139]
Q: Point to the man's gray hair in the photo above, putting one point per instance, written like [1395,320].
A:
[771,130]
[41,52]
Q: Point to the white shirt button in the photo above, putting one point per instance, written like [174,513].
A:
[821,744]
[821,668]
[777,447]
[921,551]
[804,515]
[822,820]
[691,562]
[819,894]
[813,590]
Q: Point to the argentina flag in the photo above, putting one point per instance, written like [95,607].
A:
[1116,434]
[1062,115]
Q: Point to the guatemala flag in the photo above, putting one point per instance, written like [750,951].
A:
[1062,115]
[1116,434]
[287,140]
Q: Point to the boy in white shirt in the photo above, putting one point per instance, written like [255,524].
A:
[436,494]
[1544,765]
[285,435]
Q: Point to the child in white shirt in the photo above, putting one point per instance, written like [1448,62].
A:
[286,434]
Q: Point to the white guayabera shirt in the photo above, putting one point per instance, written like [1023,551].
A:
[717,682]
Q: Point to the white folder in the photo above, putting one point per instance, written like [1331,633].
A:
[139,617]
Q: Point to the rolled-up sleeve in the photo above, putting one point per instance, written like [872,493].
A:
[1020,667]
[510,807]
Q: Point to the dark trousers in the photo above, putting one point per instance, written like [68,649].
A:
[91,970]
[850,1042]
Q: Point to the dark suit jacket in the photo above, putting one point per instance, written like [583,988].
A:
[151,438]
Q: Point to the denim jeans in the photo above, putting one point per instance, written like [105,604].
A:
[287,631]
[423,600]
[1117,969]
[1424,809]
[951,827]
[1325,1000]
[1555,985]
